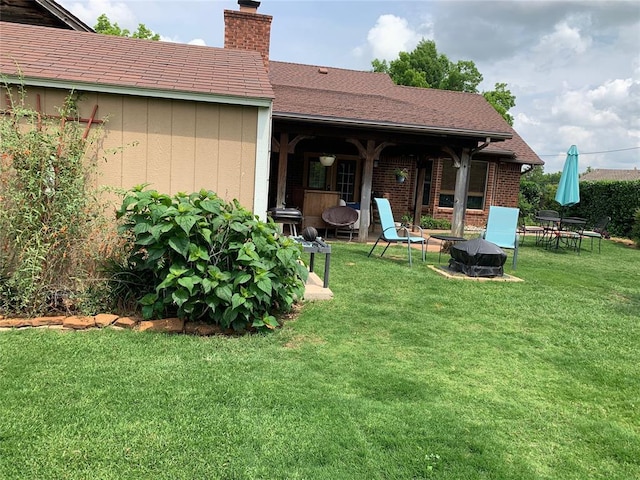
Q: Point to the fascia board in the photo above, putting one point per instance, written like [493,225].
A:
[142,92]
[393,126]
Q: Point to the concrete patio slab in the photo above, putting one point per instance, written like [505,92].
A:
[314,290]
[446,272]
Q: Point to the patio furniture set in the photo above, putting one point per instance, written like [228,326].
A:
[472,255]
[554,231]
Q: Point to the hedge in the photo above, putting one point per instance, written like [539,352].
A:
[616,199]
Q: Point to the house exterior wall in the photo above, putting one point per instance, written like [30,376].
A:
[502,187]
[175,146]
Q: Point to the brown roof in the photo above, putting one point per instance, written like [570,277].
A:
[46,13]
[602,174]
[341,96]
[93,61]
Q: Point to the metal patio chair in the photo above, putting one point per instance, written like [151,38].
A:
[389,232]
[599,229]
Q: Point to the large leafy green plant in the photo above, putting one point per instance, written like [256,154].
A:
[210,260]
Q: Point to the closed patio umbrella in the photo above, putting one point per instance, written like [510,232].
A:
[568,192]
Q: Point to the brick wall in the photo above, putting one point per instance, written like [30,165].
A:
[503,185]
[248,30]
[384,184]
[508,185]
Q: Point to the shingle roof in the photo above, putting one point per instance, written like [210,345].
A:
[602,174]
[65,56]
[368,98]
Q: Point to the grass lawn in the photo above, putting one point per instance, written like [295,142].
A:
[404,375]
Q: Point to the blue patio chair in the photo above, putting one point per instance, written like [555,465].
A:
[390,232]
[502,226]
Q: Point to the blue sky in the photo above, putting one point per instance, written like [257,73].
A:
[574,66]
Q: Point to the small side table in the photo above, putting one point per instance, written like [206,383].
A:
[444,238]
[313,247]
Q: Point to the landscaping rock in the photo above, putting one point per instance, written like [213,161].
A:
[126,322]
[105,319]
[15,322]
[79,323]
[167,325]
[47,321]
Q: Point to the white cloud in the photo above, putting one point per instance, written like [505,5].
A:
[197,41]
[391,35]
[524,119]
[117,12]
[563,39]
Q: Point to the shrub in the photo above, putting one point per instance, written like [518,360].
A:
[48,209]
[635,230]
[616,199]
[430,223]
[207,260]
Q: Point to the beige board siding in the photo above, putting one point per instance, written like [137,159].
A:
[172,145]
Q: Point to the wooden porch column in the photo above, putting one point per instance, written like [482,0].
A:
[282,169]
[365,192]
[368,154]
[284,147]
[460,192]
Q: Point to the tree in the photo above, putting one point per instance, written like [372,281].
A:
[502,100]
[105,27]
[426,68]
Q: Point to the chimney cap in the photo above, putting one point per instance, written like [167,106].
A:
[248,4]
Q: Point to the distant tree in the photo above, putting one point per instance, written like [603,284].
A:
[538,190]
[426,68]
[105,27]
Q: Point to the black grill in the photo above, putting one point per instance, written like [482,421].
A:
[477,258]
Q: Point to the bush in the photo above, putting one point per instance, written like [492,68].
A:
[48,211]
[616,199]
[430,223]
[207,260]
[635,230]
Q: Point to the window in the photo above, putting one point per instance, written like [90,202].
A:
[426,191]
[477,184]
[317,174]
[346,179]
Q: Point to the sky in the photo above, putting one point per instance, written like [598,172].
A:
[573,66]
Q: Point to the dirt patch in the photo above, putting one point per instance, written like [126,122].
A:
[625,241]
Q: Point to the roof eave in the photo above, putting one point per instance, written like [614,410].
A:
[64,16]
[143,92]
[404,127]
[510,156]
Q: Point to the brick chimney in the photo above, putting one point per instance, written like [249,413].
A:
[248,30]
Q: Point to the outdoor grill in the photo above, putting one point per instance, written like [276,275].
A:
[289,216]
[477,258]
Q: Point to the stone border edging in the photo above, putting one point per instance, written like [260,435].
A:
[104,320]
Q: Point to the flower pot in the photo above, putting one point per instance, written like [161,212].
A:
[400,178]
[327,160]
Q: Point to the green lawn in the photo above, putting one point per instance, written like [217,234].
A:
[404,375]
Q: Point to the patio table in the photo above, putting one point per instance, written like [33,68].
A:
[313,247]
[569,232]
[443,238]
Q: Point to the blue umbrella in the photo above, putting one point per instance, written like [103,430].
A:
[568,192]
